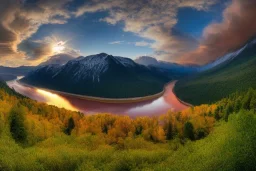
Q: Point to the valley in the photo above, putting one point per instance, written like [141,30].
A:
[145,106]
[128,85]
[103,76]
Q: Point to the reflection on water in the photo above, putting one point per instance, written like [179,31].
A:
[147,108]
[54,99]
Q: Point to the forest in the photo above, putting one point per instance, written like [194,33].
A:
[213,85]
[37,136]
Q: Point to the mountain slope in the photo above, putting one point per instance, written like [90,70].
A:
[100,75]
[235,74]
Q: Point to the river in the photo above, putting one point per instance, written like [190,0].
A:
[168,101]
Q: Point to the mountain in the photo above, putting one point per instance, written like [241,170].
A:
[58,59]
[235,72]
[146,60]
[18,71]
[7,77]
[100,75]
[8,73]
[225,59]
[150,61]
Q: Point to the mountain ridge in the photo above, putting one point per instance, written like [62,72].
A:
[100,75]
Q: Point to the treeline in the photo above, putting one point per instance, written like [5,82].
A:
[234,103]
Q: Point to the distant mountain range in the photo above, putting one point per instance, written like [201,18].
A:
[100,75]
[233,72]
[104,75]
[11,73]
[150,61]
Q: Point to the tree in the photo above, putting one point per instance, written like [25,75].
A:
[238,105]
[247,99]
[253,104]
[70,127]
[216,113]
[189,131]
[169,132]
[17,127]
[228,111]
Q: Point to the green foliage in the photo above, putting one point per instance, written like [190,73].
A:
[253,103]
[17,127]
[189,131]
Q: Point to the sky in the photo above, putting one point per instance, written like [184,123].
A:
[181,31]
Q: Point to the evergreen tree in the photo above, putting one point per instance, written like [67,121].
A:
[17,127]
[189,131]
[169,135]
[228,111]
[247,99]
[238,105]
[253,104]
[70,127]
[217,113]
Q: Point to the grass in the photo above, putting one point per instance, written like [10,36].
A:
[230,147]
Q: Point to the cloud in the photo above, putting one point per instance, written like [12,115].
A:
[142,43]
[116,42]
[21,19]
[153,20]
[39,50]
[237,27]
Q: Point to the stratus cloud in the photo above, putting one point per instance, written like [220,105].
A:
[237,27]
[19,20]
[150,19]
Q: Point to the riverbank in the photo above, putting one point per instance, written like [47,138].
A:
[101,99]
[110,100]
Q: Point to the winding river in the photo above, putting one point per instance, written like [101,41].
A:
[168,101]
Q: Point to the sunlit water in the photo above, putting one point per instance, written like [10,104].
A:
[147,108]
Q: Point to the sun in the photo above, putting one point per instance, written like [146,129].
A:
[59,47]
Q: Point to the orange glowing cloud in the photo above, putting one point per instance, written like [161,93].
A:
[237,27]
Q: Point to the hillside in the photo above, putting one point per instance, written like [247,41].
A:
[101,75]
[36,136]
[235,74]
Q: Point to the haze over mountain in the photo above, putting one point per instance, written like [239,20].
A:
[150,61]
[61,59]
[101,75]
